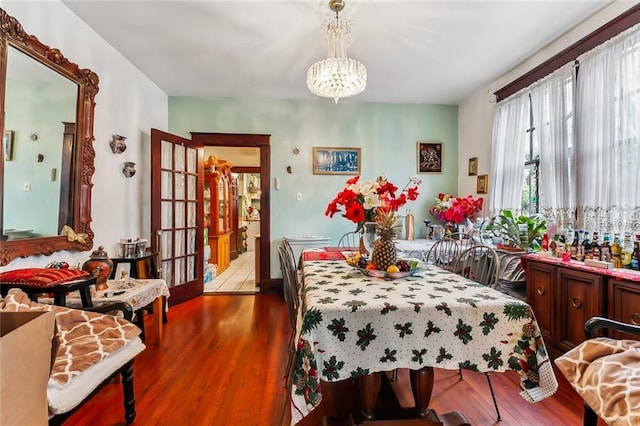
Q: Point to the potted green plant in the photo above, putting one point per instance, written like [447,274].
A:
[519,232]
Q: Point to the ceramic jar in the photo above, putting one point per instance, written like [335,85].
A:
[100,266]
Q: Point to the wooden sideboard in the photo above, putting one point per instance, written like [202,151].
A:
[564,295]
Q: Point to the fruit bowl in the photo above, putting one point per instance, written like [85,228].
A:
[389,275]
[407,266]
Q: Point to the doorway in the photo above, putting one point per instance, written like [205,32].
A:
[263,169]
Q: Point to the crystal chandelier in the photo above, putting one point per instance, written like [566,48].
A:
[337,76]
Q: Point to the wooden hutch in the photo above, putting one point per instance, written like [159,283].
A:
[217,210]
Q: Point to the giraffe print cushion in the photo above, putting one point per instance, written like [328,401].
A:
[84,338]
[606,374]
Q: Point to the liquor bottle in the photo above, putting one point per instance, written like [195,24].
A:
[595,247]
[545,242]
[627,249]
[616,252]
[586,245]
[605,248]
[575,245]
[635,257]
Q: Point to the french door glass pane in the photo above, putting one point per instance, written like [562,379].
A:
[191,268]
[179,215]
[167,214]
[191,241]
[180,271]
[192,180]
[167,245]
[192,156]
[180,243]
[180,181]
[167,272]
[167,184]
[179,158]
[167,149]
[191,214]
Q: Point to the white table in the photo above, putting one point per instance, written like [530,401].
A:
[415,248]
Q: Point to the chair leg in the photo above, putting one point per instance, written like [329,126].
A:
[590,417]
[493,396]
[460,374]
[127,387]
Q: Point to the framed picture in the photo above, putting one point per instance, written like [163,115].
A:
[473,166]
[429,157]
[483,184]
[336,161]
[7,143]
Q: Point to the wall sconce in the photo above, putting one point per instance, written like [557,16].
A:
[129,169]
[117,144]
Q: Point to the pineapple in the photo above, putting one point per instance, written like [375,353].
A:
[384,251]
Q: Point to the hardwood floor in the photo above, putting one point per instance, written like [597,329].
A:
[222,362]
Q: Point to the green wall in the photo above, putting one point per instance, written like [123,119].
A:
[386,133]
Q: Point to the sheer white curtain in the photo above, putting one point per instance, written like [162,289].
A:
[608,131]
[508,153]
[552,105]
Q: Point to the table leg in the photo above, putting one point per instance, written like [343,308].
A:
[422,387]
[369,389]
[59,298]
[157,319]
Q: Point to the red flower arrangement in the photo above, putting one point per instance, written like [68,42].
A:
[361,200]
[455,210]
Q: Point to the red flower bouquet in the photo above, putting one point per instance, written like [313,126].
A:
[455,210]
[361,200]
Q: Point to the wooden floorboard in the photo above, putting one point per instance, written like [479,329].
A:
[222,362]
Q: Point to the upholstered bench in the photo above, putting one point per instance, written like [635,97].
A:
[35,281]
[606,374]
[91,348]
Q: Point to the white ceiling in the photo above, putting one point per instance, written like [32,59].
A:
[418,51]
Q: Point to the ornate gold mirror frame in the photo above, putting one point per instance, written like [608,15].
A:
[77,235]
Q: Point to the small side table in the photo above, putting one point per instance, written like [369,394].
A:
[139,267]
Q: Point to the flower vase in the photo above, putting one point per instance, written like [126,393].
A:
[368,237]
[450,228]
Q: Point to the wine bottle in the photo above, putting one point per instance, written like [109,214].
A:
[595,247]
[605,248]
[575,246]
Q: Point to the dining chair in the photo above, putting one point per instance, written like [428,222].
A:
[295,264]
[291,297]
[445,252]
[480,263]
[350,239]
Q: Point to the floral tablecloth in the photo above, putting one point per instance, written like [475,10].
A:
[353,324]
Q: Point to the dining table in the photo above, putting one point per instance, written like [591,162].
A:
[355,326]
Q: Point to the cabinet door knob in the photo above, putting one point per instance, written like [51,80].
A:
[576,302]
[541,291]
[635,319]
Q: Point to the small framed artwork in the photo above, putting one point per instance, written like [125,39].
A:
[336,161]
[429,157]
[483,184]
[473,166]
[7,143]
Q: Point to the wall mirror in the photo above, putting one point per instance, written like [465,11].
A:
[46,116]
